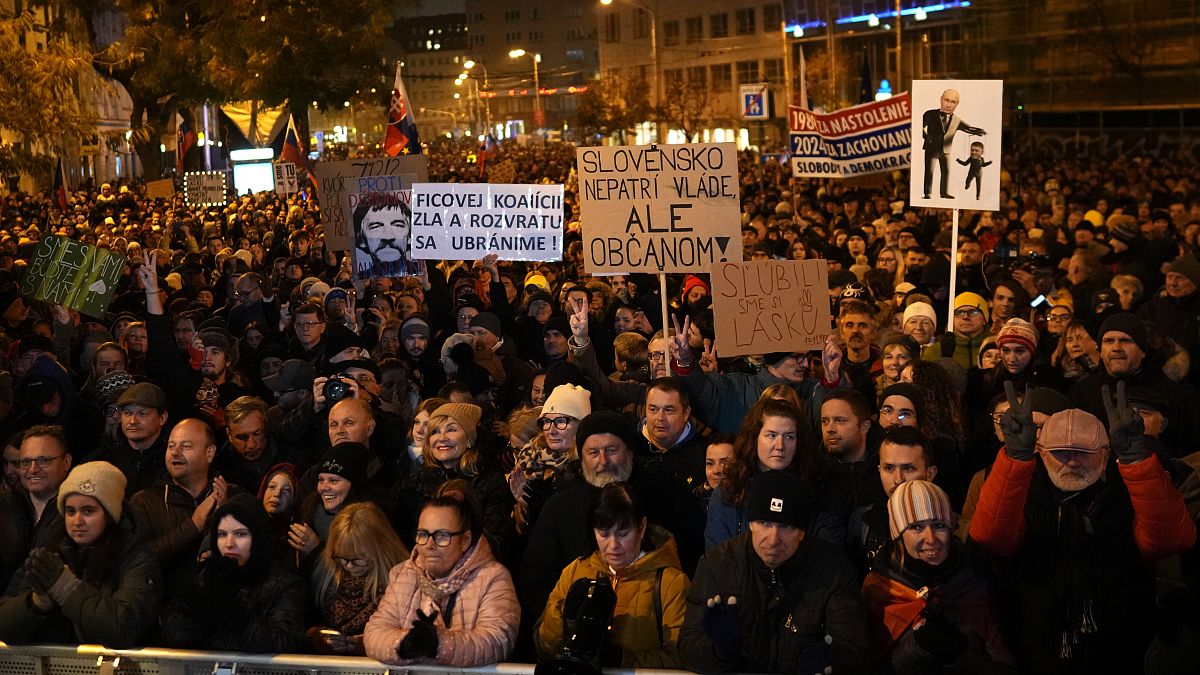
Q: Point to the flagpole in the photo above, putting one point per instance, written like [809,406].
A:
[953,269]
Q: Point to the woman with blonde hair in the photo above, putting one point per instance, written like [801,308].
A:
[351,576]
[782,392]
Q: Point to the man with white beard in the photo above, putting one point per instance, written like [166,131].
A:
[604,442]
[1078,535]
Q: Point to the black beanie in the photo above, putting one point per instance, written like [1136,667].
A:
[779,497]
[348,460]
[607,422]
[910,392]
[1127,323]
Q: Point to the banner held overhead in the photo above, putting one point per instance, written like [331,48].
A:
[659,208]
[864,139]
[467,221]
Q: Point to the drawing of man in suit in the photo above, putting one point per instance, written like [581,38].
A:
[937,130]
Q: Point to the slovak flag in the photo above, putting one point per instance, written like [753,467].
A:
[60,186]
[491,148]
[291,152]
[401,137]
[185,139]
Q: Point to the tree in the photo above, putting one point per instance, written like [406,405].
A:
[685,107]
[174,56]
[612,106]
[41,116]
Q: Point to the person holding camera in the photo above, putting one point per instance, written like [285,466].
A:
[651,589]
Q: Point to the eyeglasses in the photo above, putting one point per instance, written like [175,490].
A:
[350,562]
[1058,317]
[966,312]
[441,537]
[901,415]
[42,462]
[559,423]
[306,325]
[657,356]
[996,417]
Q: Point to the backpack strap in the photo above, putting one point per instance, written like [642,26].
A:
[658,603]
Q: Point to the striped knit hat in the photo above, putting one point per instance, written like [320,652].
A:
[1019,331]
[917,500]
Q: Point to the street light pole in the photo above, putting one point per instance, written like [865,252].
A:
[538,117]
[487,104]
[658,130]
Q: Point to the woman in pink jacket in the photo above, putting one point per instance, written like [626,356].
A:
[451,603]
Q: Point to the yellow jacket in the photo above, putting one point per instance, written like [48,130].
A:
[634,626]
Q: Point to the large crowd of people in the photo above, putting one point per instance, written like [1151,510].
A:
[491,460]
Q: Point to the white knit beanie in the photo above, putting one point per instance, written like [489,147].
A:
[569,399]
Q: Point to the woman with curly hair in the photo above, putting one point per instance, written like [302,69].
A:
[943,421]
[774,435]
[351,576]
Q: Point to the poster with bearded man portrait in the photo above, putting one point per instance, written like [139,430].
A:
[382,222]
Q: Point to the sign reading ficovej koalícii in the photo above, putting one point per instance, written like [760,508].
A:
[466,221]
[659,208]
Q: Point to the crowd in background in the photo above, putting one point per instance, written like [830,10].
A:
[495,460]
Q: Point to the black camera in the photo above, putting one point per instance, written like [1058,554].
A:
[586,615]
[337,388]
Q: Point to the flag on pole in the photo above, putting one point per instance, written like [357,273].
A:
[401,137]
[60,186]
[491,148]
[185,138]
[866,86]
[292,152]
[803,81]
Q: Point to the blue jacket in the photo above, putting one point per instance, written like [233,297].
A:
[722,400]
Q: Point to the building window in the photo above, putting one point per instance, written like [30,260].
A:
[722,77]
[745,21]
[575,55]
[513,36]
[574,34]
[512,15]
[673,77]
[773,70]
[718,25]
[535,36]
[641,24]
[670,33]
[695,29]
[612,27]
[747,72]
[772,16]
[696,76]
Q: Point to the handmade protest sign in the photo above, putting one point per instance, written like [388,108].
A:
[380,216]
[956,144]
[768,306]
[659,208]
[864,139]
[72,274]
[160,189]
[335,180]
[204,188]
[285,179]
[466,221]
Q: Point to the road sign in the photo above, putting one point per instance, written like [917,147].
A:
[753,101]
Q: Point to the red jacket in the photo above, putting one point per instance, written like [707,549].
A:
[1162,526]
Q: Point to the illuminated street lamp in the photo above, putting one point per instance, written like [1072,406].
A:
[537,88]
[653,53]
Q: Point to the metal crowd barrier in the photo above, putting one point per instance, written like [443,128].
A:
[98,660]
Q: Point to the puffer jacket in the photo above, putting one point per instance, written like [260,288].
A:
[894,602]
[786,614]
[636,626]
[115,611]
[483,619]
